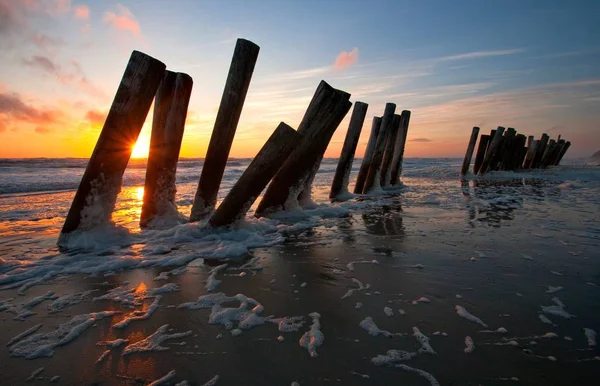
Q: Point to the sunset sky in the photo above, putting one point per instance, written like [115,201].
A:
[532,65]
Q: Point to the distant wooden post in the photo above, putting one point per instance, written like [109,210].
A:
[398,158]
[539,151]
[256,176]
[373,176]
[490,155]
[344,166]
[563,152]
[530,153]
[228,116]
[368,156]
[484,140]
[170,110]
[557,151]
[469,153]
[101,182]
[546,156]
[282,193]
[386,162]
[505,151]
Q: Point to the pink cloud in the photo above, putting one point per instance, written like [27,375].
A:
[82,12]
[123,20]
[346,59]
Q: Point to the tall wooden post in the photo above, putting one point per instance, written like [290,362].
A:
[170,110]
[344,166]
[557,151]
[492,152]
[101,182]
[529,141]
[282,193]
[386,162]
[228,116]
[368,156]
[530,153]
[484,140]
[470,149]
[563,152]
[520,153]
[549,149]
[539,151]
[373,176]
[398,158]
[256,176]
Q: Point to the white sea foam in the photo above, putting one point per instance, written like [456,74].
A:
[165,380]
[391,357]
[462,312]
[424,341]
[591,336]
[369,325]
[313,338]
[24,334]
[422,373]
[139,315]
[557,309]
[470,346]
[153,342]
[66,301]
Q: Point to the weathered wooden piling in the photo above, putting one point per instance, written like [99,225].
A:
[258,174]
[373,176]
[398,158]
[529,141]
[282,193]
[546,156]
[368,156]
[170,111]
[228,116]
[484,141]
[470,149]
[344,166]
[557,151]
[492,151]
[530,153]
[563,152]
[521,152]
[539,151]
[101,182]
[388,154]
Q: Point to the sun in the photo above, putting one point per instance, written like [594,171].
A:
[141,147]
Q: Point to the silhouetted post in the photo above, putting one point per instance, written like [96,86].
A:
[330,107]
[563,152]
[398,158]
[258,174]
[521,152]
[368,156]
[232,102]
[484,140]
[170,110]
[373,176]
[530,153]
[502,158]
[386,162]
[557,151]
[101,182]
[546,156]
[344,166]
[539,151]
[470,149]
[492,152]
[529,141]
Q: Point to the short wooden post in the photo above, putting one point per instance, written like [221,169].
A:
[470,149]
[546,156]
[170,110]
[484,140]
[386,162]
[398,158]
[563,152]
[344,166]
[492,152]
[530,153]
[368,156]
[101,182]
[282,193]
[557,151]
[228,116]
[373,176]
[529,141]
[256,176]
[539,151]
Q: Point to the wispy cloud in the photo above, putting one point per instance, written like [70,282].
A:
[123,19]
[15,112]
[81,12]
[420,140]
[482,54]
[346,59]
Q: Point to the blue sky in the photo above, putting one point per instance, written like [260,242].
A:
[531,65]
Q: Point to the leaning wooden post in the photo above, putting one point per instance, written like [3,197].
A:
[557,151]
[256,176]
[484,140]
[168,123]
[491,154]
[530,153]
[398,158]
[563,152]
[373,176]
[101,182]
[228,116]
[549,149]
[529,141]
[283,191]
[470,149]
[366,161]
[339,185]
[539,151]
[386,162]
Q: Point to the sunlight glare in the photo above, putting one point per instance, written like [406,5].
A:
[141,147]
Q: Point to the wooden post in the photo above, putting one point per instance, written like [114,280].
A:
[491,154]
[258,174]
[373,176]
[228,116]
[530,153]
[557,151]
[529,141]
[469,153]
[386,162]
[101,182]
[282,192]
[484,140]
[539,151]
[398,158]
[546,156]
[170,110]
[563,152]
[368,156]
[344,166]
[505,150]
[521,152]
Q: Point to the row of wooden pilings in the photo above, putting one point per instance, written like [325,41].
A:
[504,149]
[287,162]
